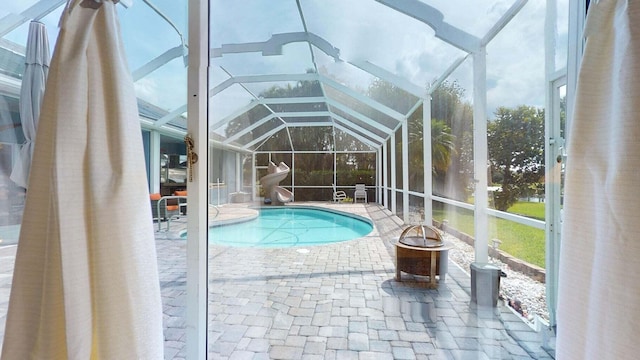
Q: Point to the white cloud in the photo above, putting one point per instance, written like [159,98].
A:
[147,89]
[515,61]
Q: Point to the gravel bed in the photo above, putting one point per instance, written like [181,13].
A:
[531,293]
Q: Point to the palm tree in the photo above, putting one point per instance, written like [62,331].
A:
[442,145]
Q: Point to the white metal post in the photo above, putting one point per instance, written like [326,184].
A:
[480,155]
[254,196]
[552,168]
[385,177]
[393,173]
[293,175]
[405,171]
[335,169]
[427,161]
[197,128]
[553,177]
[238,186]
[154,162]
[379,172]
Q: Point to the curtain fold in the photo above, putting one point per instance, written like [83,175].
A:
[598,308]
[85,284]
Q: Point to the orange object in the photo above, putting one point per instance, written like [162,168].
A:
[180,193]
[155,196]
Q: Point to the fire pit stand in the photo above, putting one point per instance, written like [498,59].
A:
[420,250]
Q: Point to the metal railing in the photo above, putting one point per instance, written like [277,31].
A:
[163,201]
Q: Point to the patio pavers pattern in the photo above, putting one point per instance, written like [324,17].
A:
[7,261]
[340,301]
[336,301]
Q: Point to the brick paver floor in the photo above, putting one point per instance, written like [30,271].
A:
[336,301]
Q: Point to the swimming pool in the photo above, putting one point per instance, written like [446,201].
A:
[291,226]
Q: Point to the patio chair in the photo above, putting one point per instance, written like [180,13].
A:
[160,211]
[360,193]
[338,195]
[182,201]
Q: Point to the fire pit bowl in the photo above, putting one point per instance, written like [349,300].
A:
[420,250]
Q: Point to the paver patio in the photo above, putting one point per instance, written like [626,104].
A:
[336,301]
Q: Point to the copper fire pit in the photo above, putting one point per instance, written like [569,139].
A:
[420,250]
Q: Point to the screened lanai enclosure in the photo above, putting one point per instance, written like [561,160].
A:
[449,112]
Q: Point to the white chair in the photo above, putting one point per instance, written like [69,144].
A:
[338,195]
[360,193]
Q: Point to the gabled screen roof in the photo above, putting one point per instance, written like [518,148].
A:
[286,65]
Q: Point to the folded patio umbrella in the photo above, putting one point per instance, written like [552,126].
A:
[598,308]
[85,284]
[31,92]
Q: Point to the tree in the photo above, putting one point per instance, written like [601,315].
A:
[516,152]
[442,147]
[451,120]
[451,142]
[448,104]
[392,96]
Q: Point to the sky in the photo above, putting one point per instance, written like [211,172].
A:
[361,29]
[367,30]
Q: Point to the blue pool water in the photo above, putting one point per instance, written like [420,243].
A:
[289,226]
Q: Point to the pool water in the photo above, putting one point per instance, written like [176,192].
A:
[289,226]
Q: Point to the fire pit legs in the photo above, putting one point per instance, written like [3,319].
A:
[422,261]
[420,250]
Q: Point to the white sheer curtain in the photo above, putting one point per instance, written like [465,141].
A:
[599,291]
[85,284]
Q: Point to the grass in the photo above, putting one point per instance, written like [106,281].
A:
[533,210]
[521,241]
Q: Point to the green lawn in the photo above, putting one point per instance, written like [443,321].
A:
[529,209]
[521,241]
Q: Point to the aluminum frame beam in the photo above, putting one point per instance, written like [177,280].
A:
[308,77]
[355,127]
[503,21]
[267,101]
[362,98]
[158,62]
[265,136]
[435,19]
[356,135]
[261,78]
[36,11]
[359,116]
[250,105]
[249,128]
[274,45]
[394,79]
[309,114]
